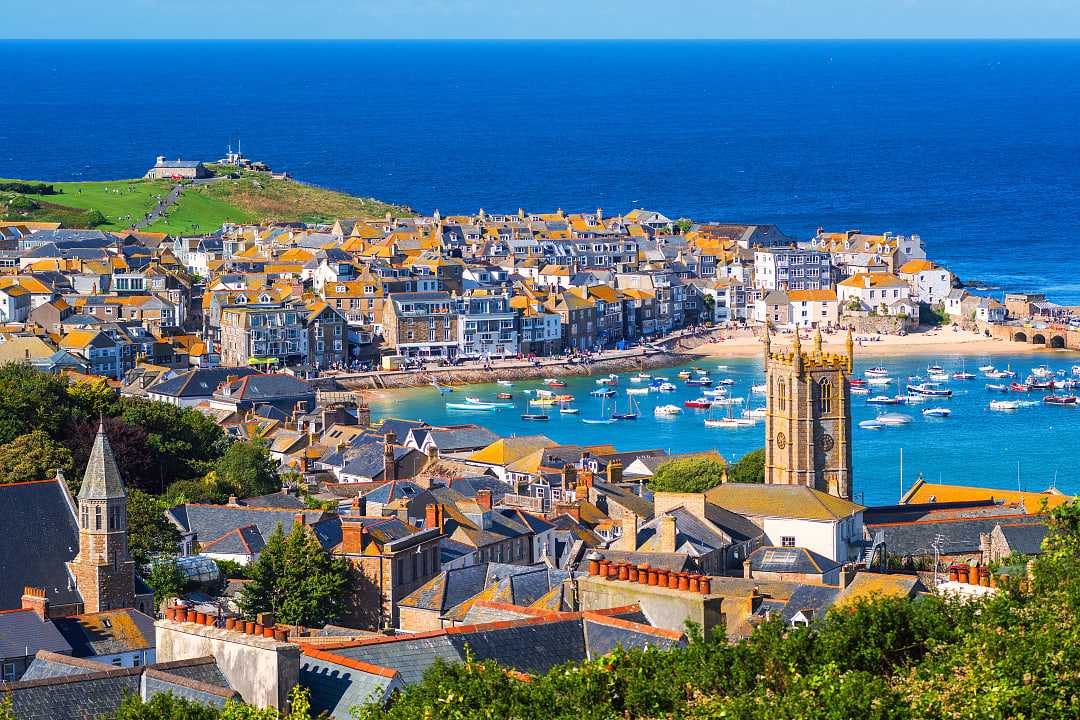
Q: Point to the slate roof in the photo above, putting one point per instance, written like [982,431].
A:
[790,560]
[338,684]
[107,633]
[963,533]
[532,645]
[261,387]
[394,490]
[466,437]
[817,598]
[1025,539]
[101,481]
[29,512]
[210,523]
[23,633]
[281,500]
[790,501]
[692,535]
[198,383]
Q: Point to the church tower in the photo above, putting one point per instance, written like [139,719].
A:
[104,573]
[808,417]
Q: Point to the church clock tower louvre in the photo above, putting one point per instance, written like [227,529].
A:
[808,417]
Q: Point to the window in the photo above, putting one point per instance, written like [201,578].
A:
[85,518]
[136,661]
[825,396]
[781,396]
[9,672]
[97,517]
[787,541]
[116,662]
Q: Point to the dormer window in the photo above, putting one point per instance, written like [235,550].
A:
[339,288]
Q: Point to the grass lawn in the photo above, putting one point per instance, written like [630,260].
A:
[197,212]
[122,202]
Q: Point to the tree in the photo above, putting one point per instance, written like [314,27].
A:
[93,399]
[166,579]
[692,475]
[134,457]
[750,468]
[296,580]
[34,456]
[163,706]
[150,532]
[184,442]
[246,469]
[207,490]
[30,400]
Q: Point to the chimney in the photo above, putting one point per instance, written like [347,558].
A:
[389,463]
[614,472]
[299,519]
[351,537]
[483,499]
[34,599]
[569,476]
[433,516]
[754,601]
[665,534]
[628,540]
[354,506]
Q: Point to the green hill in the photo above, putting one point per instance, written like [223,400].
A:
[243,197]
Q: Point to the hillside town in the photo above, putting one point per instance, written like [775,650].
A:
[454,542]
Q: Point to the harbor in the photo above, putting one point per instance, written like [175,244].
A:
[1024,444]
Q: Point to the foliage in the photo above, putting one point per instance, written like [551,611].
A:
[6,713]
[30,400]
[692,475]
[150,533]
[854,304]
[34,456]
[134,457]
[184,442]
[1014,654]
[207,490]
[166,706]
[231,570]
[166,579]
[93,399]
[684,224]
[296,580]
[246,469]
[27,188]
[750,468]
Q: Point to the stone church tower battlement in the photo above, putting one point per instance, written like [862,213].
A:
[808,417]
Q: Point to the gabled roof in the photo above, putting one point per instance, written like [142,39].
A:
[108,632]
[201,382]
[30,512]
[23,632]
[798,560]
[923,492]
[781,501]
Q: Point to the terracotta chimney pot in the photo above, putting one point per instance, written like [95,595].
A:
[632,574]
[693,584]
[594,567]
[704,584]
[230,624]
[268,632]
[652,576]
[624,571]
[684,581]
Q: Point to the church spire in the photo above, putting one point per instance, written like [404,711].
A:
[101,481]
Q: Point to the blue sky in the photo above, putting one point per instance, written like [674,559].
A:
[540,19]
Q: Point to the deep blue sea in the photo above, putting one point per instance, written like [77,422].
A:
[973,145]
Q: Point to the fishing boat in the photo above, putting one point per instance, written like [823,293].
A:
[557,384]
[699,382]
[714,392]
[986,368]
[1019,387]
[963,375]
[685,375]
[860,391]
[475,407]
[870,425]
[876,372]
[929,390]
[938,377]
[997,387]
[699,404]
[1036,384]
[760,389]
[543,401]
[667,410]
[566,409]
[1068,400]
[937,412]
[934,369]
[883,400]
[879,381]
[756,413]
[666,387]
[640,377]
[548,381]
[605,381]
[505,383]
[504,396]
[478,401]
[1042,371]
[999,374]
[602,393]
[637,391]
[858,382]
[1004,404]
[603,419]
[725,381]
[630,414]
[893,419]
[723,402]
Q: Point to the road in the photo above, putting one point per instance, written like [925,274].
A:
[168,201]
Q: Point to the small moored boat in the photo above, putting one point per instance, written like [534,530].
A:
[1067,400]
[1004,404]
[667,410]
[997,387]
[937,412]
[699,403]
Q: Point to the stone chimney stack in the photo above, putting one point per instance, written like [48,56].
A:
[628,540]
[569,476]
[389,463]
[433,517]
[665,534]
[483,499]
[614,472]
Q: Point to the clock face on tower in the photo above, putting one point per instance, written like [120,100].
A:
[827,442]
[781,441]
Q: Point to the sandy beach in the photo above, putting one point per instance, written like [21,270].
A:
[928,342]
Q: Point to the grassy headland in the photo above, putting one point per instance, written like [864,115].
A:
[118,204]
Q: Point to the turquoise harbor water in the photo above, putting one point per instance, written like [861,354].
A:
[973,446]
